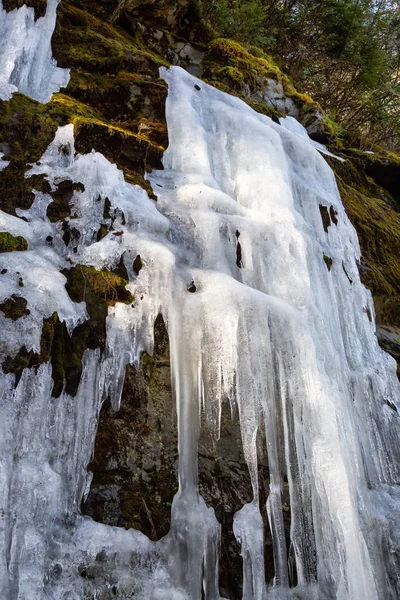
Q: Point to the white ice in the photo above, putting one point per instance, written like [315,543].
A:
[3,163]
[294,126]
[266,327]
[26,61]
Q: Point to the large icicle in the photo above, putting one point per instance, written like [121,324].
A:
[26,62]
[233,258]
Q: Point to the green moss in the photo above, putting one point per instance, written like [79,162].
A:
[263,109]
[109,69]
[377,225]
[26,125]
[227,53]
[231,76]
[86,284]
[95,44]
[122,99]
[27,128]
[135,178]
[333,128]
[64,107]
[11,243]
[99,289]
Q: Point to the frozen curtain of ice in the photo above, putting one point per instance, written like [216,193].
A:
[26,62]
[270,329]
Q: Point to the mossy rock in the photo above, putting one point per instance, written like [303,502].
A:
[86,284]
[26,129]
[388,310]
[382,166]
[99,289]
[256,105]
[180,17]
[377,225]
[231,67]
[81,40]
[123,100]
[27,126]
[119,145]
[108,110]
[11,243]
[224,54]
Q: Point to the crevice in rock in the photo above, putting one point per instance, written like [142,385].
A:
[326,220]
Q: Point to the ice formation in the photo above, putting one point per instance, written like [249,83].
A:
[3,163]
[271,329]
[294,126]
[26,62]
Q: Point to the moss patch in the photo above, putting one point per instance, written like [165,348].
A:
[93,44]
[127,149]
[377,225]
[226,57]
[114,89]
[11,243]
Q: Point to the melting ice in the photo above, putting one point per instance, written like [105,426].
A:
[289,343]
[26,62]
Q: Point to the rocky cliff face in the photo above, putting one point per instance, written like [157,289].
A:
[116,100]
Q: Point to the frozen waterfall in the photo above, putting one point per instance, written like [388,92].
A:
[235,257]
[26,62]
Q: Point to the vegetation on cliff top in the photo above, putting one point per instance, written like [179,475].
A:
[345,53]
